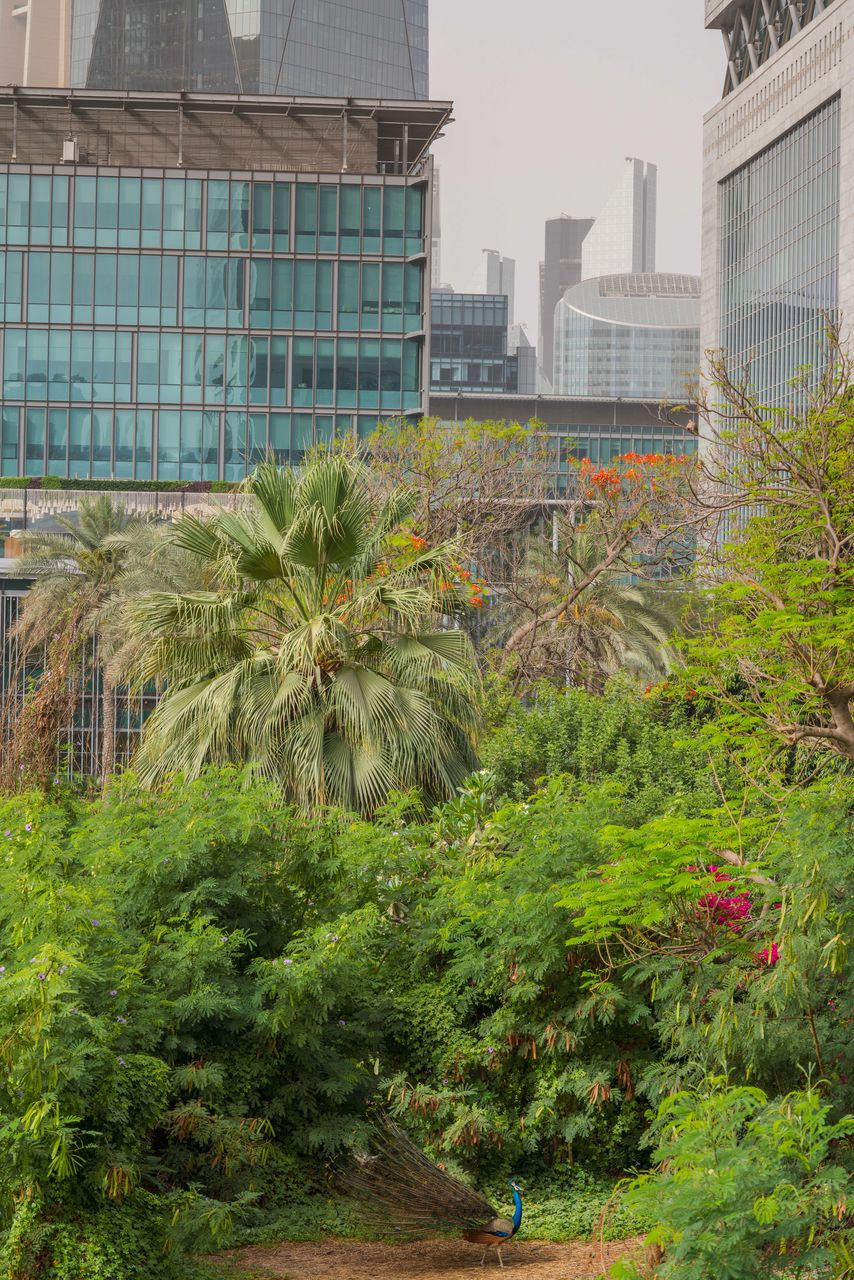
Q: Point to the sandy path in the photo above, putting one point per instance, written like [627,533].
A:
[443,1260]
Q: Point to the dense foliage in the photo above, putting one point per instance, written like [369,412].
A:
[205,989]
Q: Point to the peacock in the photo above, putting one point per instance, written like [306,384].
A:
[398,1186]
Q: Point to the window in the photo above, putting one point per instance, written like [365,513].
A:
[34,447]
[9,441]
[217,237]
[107,217]
[348,295]
[328,219]
[18,209]
[394,219]
[262,214]
[350,219]
[371,219]
[130,193]
[283,299]
[303,371]
[306,218]
[370,313]
[281,216]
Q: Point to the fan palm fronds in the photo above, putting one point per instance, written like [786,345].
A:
[322,656]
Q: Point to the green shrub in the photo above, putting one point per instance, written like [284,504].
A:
[112,1242]
[648,745]
[746,1187]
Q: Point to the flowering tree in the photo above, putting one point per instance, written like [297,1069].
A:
[478,482]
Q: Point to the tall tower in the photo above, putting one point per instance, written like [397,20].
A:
[778,185]
[559,270]
[308,48]
[622,240]
[499,277]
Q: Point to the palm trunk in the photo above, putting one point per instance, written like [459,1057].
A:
[108,730]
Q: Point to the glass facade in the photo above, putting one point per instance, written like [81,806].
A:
[629,336]
[326,48]
[468,343]
[779,254]
[623,236]
[171,325]
[604,445]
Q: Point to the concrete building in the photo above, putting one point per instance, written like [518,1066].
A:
[499,276]
[436,232]
[622,238]
[559,270]
[635,336]
[778,206]
[35,42]
[188,281]
[519,345]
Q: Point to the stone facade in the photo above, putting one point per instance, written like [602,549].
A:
[816,65]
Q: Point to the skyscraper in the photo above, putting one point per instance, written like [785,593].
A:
[559,270]
[499,277]
[34,41]
[622,238]
[778,231]
[323,48]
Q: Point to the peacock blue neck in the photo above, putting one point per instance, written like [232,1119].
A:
[517,1215]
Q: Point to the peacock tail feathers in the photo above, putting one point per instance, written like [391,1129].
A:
[401,1189]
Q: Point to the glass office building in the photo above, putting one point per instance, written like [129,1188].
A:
[778,244]
[328,48]
[165,322]
[468,343]
[629,336]
[779,254]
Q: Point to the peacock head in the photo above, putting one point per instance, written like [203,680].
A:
[515,1184]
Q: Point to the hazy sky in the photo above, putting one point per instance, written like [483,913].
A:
[550,96]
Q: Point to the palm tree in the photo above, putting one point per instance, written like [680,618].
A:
[320,661]
[617,622]
[75,575]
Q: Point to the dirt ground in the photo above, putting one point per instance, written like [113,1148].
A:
[443,1260]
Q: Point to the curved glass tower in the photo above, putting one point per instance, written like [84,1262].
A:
[629,336]
[317,48]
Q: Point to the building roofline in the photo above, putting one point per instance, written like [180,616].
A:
[190,130]
[551,399]
[250,104]
[719,12]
